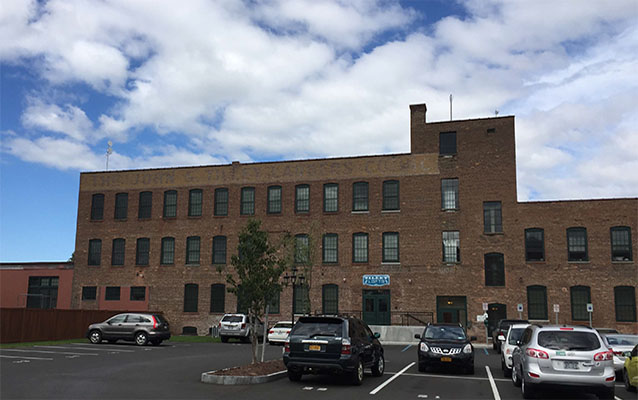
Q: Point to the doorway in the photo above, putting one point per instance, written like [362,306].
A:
[376,307]
[495,313]
[451,309]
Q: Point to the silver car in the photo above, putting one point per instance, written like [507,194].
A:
[562,356]
[238,326]
[620,344]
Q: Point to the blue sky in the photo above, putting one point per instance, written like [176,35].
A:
[206,82]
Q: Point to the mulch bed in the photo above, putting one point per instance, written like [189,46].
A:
[259,369]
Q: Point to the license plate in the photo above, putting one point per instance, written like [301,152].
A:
[571,364]
[314,347]
[446,359]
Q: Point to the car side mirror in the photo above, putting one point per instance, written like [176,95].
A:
[417,336]
[376,335]
[472,338]
[501,337]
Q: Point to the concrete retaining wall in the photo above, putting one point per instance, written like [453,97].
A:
[393,334]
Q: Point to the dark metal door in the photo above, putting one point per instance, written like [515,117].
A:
[376,307]
[495,313]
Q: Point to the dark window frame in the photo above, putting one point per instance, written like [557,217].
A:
[360,196]
[534,248]
[328,201]
[327,307]
[142,251]
[137,293]
[494,269]
[630,305]
[302,205]
[165,251]
[195,205]
[326,249]
[274,205]
[95,252]
[89,293]
[191,251]
[43,292]
[447,143]
[620,251]
[301,304]
[217,298]
[121,206]
[247,206]
[572,254]
[145,205]
[221,203]
[118,251]
[191,297]
[220,253]
[579,311]
[391,201]
[97,207]
[302,256]
[492,217]
[457,249]
[355,259]
[170,204]
[385,248]
[112,293]
[449,185]
[540,289]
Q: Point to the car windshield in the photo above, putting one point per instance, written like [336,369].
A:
[159,318]
[515,335]
[312,329]
[568,340]
[622,340]
[232,318]
[445,332]
[283,325]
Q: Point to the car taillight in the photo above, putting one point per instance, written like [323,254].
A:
[616,353]
[154,322]
[537,353]
[345,346]
[533,375]
[604,356]
[611,378]
[287,346]
[508,351]
[243,326]
[271,332]
[566,329]
[287,332]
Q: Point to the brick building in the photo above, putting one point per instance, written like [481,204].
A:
[36,285]
[431,234]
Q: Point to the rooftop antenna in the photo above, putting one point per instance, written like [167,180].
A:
[451,106]
[496,113]
[109,151]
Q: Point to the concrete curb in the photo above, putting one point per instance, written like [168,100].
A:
[208,377]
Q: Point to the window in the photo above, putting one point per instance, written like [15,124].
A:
[391,195]
[217,298]
[219,250]
[302,249]
[451,247]
[112,293]
[138,293]
[447,143]
[450,194]
[221,201]
[330,248]
[145,205]
[330,299]
[537,302]
[95,252]
[191,292]
[273,303]
[577,244]
[625,302]
[492,221]
[195,198]
[121,205]
[534,244]
[143,249]
[42,292]
[89,292]
[97,207]
[274,200]
[580,297]
[192,250]
[494,269]
[390,247]
[117,253]
[170,204]
[360,248]
[621,243]
[168,251]
[248,201]
[302,198]
[360,196]
[330,197]
[302,301]
[242,305]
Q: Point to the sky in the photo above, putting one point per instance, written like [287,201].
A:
[174,83]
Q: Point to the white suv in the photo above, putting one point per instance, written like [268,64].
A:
[507,348]
[238,326]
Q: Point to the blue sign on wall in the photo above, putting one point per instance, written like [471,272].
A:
[376,280]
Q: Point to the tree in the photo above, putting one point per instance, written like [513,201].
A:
[257,271]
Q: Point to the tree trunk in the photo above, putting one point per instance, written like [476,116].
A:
[253,337]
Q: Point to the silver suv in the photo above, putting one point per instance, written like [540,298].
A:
[238,326]
[562,356]
[138,327]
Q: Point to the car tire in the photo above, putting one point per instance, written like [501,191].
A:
[507,372]
[515,379]
[95,336]
[528,390]
[156,342]
[379,366]
[625,377]
[141,338]
[607,393]
[357,374]
[294,376]
[224,339]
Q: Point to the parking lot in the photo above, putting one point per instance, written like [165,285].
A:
[173,370]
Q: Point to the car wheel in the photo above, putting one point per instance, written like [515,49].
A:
[95,336]
[628,385]
[357,374]
[294,376]
[527,390]
[607,393]
[515,379]
[141,338]
[379,366]
[224,339]
[156,342]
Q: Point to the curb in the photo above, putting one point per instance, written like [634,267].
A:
[208,377]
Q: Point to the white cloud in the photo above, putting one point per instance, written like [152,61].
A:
[70,120]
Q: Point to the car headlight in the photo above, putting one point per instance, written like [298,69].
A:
[424,347]
[467,349]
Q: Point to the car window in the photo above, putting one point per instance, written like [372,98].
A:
[282,325]
[159,318]
[634,352]
[445,332]
[118,319]
[568,340]
[527,336]
[233,318]
[622,340]
[515,335]
[144,319]
[324,328]
[132,318]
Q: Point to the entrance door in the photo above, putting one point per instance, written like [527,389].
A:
[495,313]
[451,309]
[376,307]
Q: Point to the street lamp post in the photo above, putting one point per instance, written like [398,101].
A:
[293,278]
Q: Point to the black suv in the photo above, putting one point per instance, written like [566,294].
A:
[138,327]
[445,345]
[339,345]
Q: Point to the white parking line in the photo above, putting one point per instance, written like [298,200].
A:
[476,378]
[84,348]
[26,358]
[393,377]
[493,384]
[51,352]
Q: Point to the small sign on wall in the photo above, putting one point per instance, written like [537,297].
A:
[376,280]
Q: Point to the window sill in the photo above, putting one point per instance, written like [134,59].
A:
[167,265]
[579,262]
[141,265]
[390,211]
[144,219]
[450,210]
[220,216]
[273,214]
[169,218]
[493,233]
[358,263]
[450,264]
[623,262]
[302,212]
[246,215]
[194,216]
[96,220]
[360,212]
[117,266]
[330,264]
[120,219]
[536,261]
[193,265]
[331,212]
[391,263]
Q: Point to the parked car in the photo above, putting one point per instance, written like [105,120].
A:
[563,356]
[138,327]
[445,345]
[279,332]
[333,345]
[238,326]
[507,348]
[603,331]
[500,331]
[619,344]
[630,370]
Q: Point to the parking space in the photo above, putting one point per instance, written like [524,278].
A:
[173,370]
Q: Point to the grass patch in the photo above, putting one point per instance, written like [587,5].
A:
[42,343]
[194,339]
